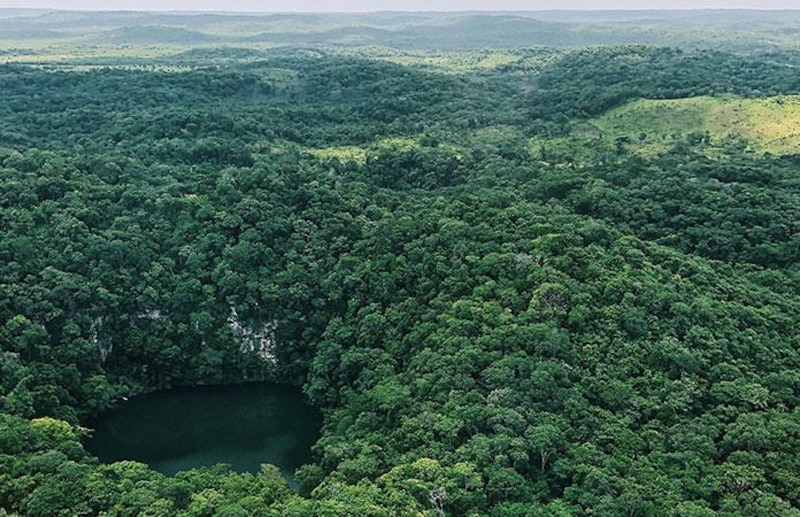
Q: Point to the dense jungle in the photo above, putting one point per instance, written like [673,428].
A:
[523,264]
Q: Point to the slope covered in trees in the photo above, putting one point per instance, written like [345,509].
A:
[552,329]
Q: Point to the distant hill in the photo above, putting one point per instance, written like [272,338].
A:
[458,32]
[676,16]
[728,30]
[23,34]
[6,13]
[154,34]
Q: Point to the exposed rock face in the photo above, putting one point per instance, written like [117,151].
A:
[259,341]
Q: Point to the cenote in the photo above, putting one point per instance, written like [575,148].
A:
[242,425]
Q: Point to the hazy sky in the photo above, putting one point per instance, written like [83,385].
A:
[403,5]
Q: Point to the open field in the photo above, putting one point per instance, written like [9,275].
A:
[769,124]
[649,127]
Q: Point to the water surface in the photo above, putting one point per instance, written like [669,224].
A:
[243,425]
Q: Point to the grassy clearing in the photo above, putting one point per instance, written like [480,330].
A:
[648,128]
[769,124]
[359,154]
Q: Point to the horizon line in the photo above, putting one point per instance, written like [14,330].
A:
[408,11]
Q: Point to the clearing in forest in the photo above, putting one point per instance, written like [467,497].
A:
[770,124]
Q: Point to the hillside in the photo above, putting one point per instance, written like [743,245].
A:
[770,124]
[153,35]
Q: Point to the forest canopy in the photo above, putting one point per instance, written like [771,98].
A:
[529,281]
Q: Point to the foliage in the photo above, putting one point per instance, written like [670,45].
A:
[490,328]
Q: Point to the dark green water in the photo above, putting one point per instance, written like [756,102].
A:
[243,425]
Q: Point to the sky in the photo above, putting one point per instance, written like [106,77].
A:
[395,5]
